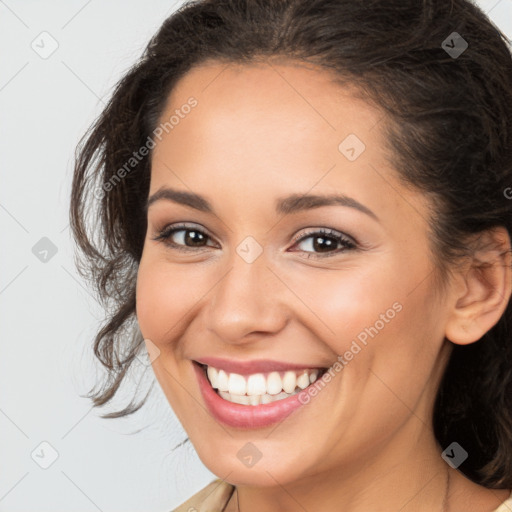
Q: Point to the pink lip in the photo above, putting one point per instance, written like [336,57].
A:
[255,366]
[244,416]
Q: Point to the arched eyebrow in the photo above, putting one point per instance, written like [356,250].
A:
[300,202]
[285,205]
[181,197]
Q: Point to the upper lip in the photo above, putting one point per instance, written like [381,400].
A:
[253,366]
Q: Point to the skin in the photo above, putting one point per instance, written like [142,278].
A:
[260,132]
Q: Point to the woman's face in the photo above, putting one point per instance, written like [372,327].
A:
[253,287]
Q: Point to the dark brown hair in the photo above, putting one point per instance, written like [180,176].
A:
[449,129]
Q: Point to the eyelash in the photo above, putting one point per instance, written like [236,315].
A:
[348,244]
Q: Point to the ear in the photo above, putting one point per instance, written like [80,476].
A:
[481,288]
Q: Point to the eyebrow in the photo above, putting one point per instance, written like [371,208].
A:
[293,203]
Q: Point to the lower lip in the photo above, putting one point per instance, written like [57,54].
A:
[244,416]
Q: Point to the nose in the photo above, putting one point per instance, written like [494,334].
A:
[246,303]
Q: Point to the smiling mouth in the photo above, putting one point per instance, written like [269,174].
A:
[259,388]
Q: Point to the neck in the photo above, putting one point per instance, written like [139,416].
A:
[397,478]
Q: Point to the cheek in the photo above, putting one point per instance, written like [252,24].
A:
[349,300]
[165,295]
[373,311]
[165,302]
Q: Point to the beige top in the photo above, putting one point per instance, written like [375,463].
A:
[215,496]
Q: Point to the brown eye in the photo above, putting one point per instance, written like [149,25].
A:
[325,243]
[191,237]
[183,237]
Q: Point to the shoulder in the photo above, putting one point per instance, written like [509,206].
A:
[212,498]
[506,506]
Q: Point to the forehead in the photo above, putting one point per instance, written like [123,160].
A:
[278,105]
[272,128]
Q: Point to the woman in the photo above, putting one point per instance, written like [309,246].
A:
[304,212]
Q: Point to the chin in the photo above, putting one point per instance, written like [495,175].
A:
[260,463]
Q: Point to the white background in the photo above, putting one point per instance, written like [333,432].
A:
[48,318]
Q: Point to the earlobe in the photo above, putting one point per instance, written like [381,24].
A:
[482,288]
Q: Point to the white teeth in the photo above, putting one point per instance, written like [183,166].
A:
[256,384]
[302,381]
[255,399]
[239,399]
[289,382]
[213,376]
[279,396]
[274,383]
[225,395]
[237,384]
[266,398]
[255,389]
[222,381]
